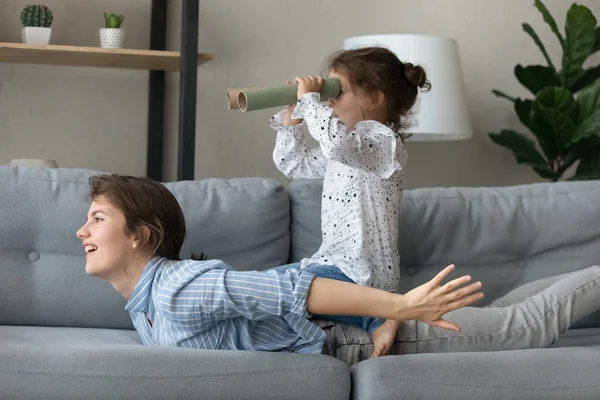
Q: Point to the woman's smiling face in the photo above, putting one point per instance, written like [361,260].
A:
[108,245]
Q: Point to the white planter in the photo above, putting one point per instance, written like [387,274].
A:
[35,35]
[112,38]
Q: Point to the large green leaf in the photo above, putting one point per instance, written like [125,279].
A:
[536,77]
[597,46]
[549,20]
[544,136]
[557,98]
[523,147]
[551,120]
[590,126]
[523,110]
[589,112]
[587,77]
[529,30]
[589,100]
[580,39]
[554,130]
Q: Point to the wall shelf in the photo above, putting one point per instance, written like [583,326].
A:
[157,60]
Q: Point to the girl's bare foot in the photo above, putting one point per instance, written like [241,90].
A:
[384,337]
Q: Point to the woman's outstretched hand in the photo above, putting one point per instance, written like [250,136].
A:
[430,301]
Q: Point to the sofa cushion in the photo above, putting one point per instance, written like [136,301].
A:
[46,336]
[69,363]
[579,337]
[244,221]
[544,374]
[503,236]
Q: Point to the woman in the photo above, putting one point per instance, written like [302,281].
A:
[133,235]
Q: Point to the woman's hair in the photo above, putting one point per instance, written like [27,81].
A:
[145,202]
[373,69]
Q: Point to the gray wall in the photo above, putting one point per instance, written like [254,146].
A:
[96,118]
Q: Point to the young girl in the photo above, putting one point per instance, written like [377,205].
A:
[133,235]
[361,158]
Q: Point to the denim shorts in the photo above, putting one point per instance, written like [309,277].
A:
[369,324]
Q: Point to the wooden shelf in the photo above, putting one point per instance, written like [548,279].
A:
[94,56]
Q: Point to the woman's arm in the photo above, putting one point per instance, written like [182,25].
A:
[426,303]
[201,294]
[200,302]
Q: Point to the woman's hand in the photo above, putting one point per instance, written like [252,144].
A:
[430,301]
[308,84]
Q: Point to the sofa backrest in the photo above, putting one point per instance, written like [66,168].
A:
[42,278]
[503,236]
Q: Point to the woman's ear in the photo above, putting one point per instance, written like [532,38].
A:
[141,237]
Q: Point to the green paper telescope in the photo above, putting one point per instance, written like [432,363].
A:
[275,96]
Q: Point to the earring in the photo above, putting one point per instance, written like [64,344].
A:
[134,246]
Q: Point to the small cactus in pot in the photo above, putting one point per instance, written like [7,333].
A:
[37,15]
[36,19]
[112,35]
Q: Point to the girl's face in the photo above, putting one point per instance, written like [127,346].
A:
[352,105]
[109,248]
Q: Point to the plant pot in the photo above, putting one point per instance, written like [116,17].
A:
[112,38]
[36,35]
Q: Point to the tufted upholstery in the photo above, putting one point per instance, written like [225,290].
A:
[242,221]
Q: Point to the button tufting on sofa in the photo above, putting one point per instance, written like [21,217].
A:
[34,256]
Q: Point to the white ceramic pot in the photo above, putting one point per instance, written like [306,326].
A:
[36,35]
[112,38]
[34,162]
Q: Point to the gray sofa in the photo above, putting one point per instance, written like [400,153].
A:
[65,335]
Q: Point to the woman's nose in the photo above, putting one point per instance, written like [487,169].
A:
[82,233]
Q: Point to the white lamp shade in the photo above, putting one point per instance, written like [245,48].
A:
[442,112]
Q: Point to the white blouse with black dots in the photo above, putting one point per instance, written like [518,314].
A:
[363,172]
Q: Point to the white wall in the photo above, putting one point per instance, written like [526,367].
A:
[96,118]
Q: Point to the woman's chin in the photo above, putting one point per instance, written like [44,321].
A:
[91,270]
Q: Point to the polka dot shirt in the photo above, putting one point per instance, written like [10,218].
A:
[363,175]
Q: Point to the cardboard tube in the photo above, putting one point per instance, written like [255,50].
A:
[282,95]
[232,98]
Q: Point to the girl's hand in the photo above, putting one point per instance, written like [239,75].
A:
[308,84]
[287,116]
[431,300]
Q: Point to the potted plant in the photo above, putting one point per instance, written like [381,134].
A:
[564,115]
[112,35]
[36,21]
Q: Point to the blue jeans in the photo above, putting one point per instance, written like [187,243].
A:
[369,324]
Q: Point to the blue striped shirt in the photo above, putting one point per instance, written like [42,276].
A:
[210,305]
